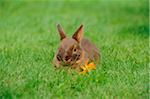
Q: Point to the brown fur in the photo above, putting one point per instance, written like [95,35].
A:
[75,50]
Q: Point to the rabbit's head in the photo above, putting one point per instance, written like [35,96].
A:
[70,50]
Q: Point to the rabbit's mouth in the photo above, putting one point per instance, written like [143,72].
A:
[67,64]
[70,60]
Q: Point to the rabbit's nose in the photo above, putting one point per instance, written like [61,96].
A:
[67,58]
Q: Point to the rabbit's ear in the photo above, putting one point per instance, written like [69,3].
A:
[78,34]
[61,32]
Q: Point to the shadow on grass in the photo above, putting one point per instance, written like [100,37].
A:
[142,30]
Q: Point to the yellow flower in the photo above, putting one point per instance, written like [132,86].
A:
[87,67]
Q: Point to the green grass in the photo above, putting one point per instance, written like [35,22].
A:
[29,39]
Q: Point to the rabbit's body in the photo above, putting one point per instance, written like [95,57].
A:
[74,51]
[92,53]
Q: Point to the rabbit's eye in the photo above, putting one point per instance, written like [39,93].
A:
[75,50]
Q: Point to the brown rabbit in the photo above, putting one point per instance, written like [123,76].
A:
[74,51]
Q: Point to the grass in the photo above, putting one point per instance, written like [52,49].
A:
[29,39]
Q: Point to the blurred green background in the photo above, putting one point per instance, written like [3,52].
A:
[29,39]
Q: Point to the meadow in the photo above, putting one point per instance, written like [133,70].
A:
[29,40]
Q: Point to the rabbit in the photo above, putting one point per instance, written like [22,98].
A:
[74,51]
